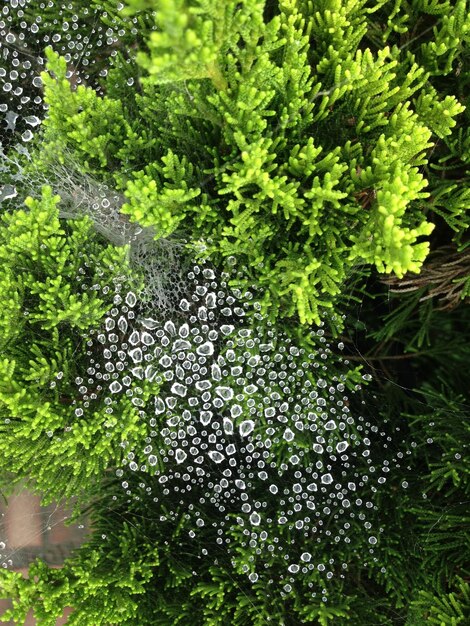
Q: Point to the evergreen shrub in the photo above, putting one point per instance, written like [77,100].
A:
[234,327]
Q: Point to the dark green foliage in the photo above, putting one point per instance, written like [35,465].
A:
[449,610]
[168,587]
[442,517]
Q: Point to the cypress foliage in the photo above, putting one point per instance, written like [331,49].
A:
[244,129]
[55,280]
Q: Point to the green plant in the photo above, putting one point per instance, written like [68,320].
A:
[209,417]
[446,610]
[55,278]
[216,72]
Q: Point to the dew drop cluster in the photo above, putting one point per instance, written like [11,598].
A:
[5,560]
[249,435]
[85,36]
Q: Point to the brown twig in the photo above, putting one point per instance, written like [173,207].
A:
[444,276]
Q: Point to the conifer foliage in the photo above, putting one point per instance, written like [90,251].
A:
[55,279]
[234,325]
[256,127]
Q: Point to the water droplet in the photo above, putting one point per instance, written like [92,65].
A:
[109,323]
[226,393]
[228,426]
[170,402]
[265,347]
[211,300]
[254,360]
[183,331]
[136,355]
[131,299]
[180,456]
[134,339]
[205,349]
[181,344]
[227,329]
[208,273]
[165,361]
[159,406]
[149,323]
[246,428]
[147,339]
[216,372]
[236,410]
[170,328]
[288,434]
[202,385]
[8,192]
[205,417]
[179,389]
[327,479]
[215,456]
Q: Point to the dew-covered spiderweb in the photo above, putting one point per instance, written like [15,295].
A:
[249,433]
